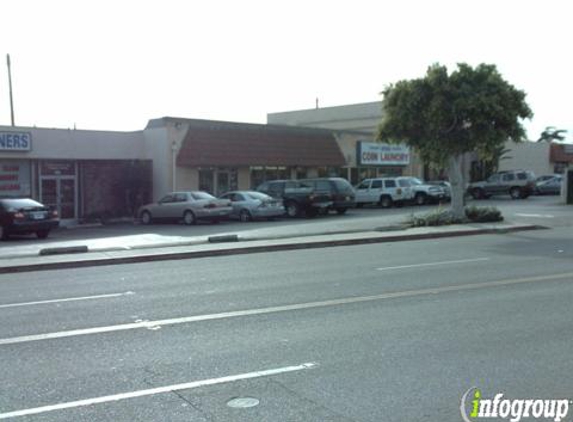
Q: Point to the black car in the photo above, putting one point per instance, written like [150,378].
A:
[26,216]
[312,196]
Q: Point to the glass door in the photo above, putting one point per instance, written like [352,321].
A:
[60,194]
[222,182]
[67,196]
[49,193]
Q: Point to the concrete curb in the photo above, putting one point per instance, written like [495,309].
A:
[297,244]
[63,250]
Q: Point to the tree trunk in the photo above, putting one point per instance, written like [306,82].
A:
[457,182]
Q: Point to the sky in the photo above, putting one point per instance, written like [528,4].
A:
[115,64]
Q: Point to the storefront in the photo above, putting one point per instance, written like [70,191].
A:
[218,157]
[81,174]
[87,175]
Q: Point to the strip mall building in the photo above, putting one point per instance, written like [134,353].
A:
[95,174]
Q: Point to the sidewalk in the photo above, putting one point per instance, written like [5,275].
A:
[229,244]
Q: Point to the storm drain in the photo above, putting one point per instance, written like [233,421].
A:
[243,402]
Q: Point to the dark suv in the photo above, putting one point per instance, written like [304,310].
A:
[312,196]
[516,183]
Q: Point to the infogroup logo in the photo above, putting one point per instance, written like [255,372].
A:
[474,407]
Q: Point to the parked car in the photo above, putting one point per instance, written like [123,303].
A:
[186,206]
[385,191]
[311,196]
[26,216]
[551,186]
[546,177]
[251,205]
[423,193]
[516,183]
[445,185]
[341,192]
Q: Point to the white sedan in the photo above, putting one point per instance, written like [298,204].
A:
[186,206]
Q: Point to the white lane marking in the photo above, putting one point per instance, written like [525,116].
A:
[429,264]
[535,215]
[283,308]
[158,390]
[69,299]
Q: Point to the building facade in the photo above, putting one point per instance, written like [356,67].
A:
[355,126]
[98,174]
[540,157]
[79,173]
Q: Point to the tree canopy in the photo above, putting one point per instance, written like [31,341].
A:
[447,114]
[551,133]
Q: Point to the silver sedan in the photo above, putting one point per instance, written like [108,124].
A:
[250,205]
[186,206]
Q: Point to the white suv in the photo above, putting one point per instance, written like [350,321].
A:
[385,191]
[423,193]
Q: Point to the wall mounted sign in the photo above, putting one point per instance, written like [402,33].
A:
[378,154]
[15,141]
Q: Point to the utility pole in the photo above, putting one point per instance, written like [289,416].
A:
[10,87]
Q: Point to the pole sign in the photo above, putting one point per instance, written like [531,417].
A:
[15,141]
[378,154]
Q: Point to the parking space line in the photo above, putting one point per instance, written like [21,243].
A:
[429,264]
[155,391]
[68,299]
[535,215]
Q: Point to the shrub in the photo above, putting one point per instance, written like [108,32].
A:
[483,214]
[439,217]
[444,217]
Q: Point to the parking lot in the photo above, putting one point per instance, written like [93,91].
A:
[542,210]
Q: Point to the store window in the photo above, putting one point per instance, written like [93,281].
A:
[261,174]
[15,178]
[207,180]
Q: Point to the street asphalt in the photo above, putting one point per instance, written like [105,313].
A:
[368,333]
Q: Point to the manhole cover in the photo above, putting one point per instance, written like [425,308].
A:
[243,402]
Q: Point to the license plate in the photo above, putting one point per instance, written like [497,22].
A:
[38,215]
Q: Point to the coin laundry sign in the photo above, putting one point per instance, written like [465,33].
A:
[15,141]
[375,154]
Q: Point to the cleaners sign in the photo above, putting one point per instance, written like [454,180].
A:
[377,154]
[15,141]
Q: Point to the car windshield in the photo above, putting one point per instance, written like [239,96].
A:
[202,195]
[415,181]
[342,185]
[18,204]
[258,196]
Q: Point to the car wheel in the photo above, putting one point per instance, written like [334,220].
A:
[188,218]
[341,211]
[515,193]
[420,199]
[292,209]
[42,234]
[245,216]
[146,217]
[385,201]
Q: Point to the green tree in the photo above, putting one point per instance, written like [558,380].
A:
[551,133]
[444,115]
